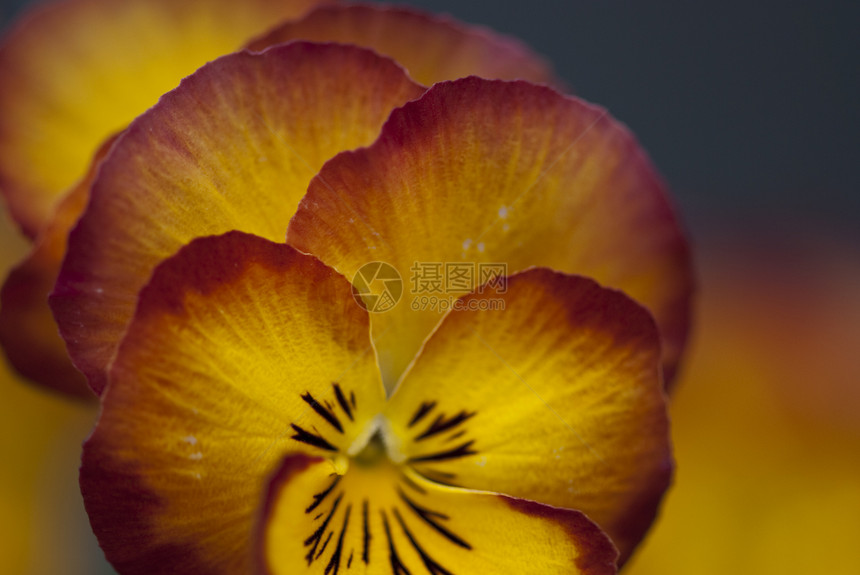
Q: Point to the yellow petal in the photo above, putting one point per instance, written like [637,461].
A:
[432,48]
[493,172]
[233,148]
[241,351]
[74,72]
[553,394]
[384,520]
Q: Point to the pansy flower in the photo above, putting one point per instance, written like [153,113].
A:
[75,72]
[232,149]
[535,179]
[473,171]
[246,357]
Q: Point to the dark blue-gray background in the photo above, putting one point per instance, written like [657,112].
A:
[749,109]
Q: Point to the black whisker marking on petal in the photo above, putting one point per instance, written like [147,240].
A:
[440,424]
[316,537]
[334,562]
[445,474]
[365,511]
[319,497]
[418,509]
[423,409]
[352,399]
[311,439]
[318,515]
[323,411]
[432,566]
[460,451]
[411,483]
[397,566]
[324,545]
[440,477]
[460,433]
[341,399]
[429,516]
[349,561]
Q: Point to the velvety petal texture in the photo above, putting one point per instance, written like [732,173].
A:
[233,148]
[241,350]
[432,48]
[28,331]
[382,520]
[74,72]
[480,171]
[550,391]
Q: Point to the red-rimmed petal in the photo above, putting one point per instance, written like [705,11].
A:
[485,172]
[233,148]
[28,331]
[379,520]
[241,350]
[76,71]
[550,391]
[432,48]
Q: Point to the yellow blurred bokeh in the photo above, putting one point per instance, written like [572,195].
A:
[766,419]
[43,527]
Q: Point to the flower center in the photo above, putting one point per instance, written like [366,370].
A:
[373,453]
[377,486]
[433,436]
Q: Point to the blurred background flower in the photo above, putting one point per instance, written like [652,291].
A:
[749,111]
[43,527]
